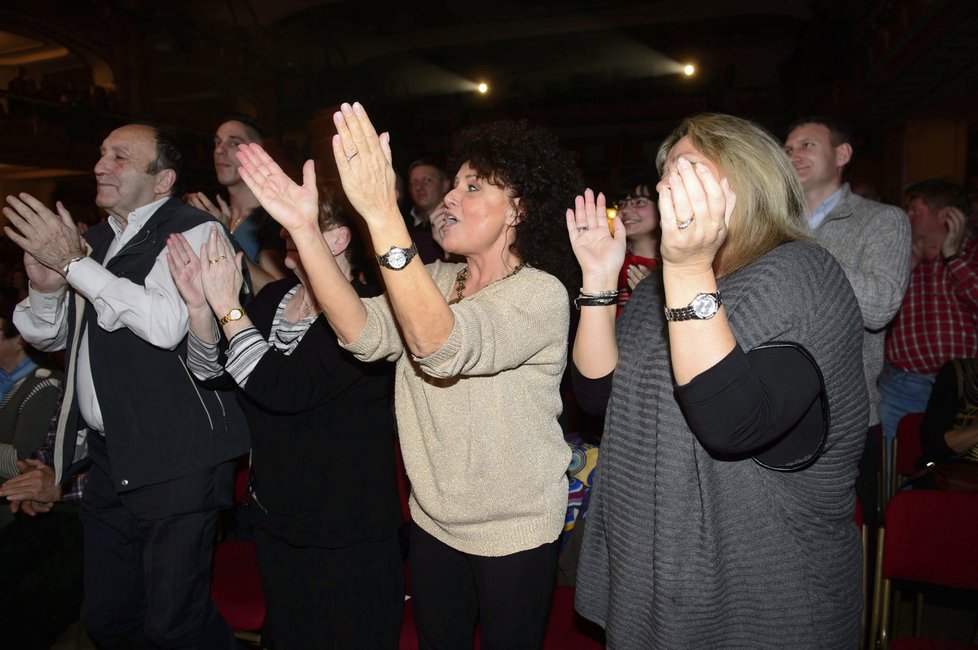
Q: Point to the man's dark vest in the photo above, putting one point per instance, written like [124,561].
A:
[160,423]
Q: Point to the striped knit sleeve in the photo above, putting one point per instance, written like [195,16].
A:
[245,350]
[203,357]
[8,461]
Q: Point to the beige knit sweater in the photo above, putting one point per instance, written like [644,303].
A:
[477,419]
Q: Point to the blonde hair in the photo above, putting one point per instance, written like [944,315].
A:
[770,208]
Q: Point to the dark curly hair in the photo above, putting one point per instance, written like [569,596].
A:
[528,161]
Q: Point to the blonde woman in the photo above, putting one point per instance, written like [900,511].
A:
[722,510]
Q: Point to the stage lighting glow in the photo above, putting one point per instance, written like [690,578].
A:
[689,69]
[483,88]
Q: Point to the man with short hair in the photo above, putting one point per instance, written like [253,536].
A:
[253,228]
[427,186]
[160,446]
[870,240]
[938,321]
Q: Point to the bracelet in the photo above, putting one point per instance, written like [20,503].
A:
[598,299]
[951,258]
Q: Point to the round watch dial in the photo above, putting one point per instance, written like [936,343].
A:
[397,258]
[704,306]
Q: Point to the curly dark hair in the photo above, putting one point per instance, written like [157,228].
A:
[527,160]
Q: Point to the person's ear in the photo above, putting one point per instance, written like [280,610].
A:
[338,239]
[843,154]
[165,180]
[516,216]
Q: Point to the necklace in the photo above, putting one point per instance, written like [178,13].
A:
[463,275]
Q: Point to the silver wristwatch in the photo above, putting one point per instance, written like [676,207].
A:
[703,307]
[397,258]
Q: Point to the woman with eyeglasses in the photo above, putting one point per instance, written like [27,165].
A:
[639,214]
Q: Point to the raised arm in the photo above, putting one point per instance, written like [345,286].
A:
[691,195]
[364,162]
[600,255]
[296,207]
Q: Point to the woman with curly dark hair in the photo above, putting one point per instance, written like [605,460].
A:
[480,348]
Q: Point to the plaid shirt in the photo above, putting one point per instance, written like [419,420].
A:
[938,320]
[71,489]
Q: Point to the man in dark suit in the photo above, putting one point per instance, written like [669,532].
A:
[159,445]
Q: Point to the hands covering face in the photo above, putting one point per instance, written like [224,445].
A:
[695,211]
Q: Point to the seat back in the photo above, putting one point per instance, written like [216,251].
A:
[908,449]
[932,536]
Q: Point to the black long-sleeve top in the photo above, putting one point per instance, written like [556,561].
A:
[322,437]
[766,403]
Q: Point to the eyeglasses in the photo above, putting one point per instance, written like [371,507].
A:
[638,202]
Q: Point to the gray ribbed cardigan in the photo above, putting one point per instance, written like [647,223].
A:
[683,550]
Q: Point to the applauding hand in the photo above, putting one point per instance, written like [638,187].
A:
[294,206]
[599,253]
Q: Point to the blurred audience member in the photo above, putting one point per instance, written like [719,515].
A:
[427,185]
[949,431]
[939,317]
[870,240]
[28,397]
[251,226]
[636,203]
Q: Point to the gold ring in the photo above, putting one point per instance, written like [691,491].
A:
[213,261]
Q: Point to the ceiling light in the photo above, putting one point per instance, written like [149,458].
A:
[483,88]
[689,69]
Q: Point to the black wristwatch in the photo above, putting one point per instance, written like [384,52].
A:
[703,307]
[397,258]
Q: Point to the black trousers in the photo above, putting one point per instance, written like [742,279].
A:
[331,598]
[508,596]
[148,559]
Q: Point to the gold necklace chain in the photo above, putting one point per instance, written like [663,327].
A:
[463,275]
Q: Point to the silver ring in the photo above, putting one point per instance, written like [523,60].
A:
[581,228]
[352,156]
[187,262]
[683,225]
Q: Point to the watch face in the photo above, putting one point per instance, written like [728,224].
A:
[397,259]
[704,306]
[235,314]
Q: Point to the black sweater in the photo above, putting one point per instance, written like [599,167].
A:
[322,438]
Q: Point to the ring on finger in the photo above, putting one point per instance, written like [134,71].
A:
[582,228]
[352,156]
[683,225]
[213,261]
[222,257]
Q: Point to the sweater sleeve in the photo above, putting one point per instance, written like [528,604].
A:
[880,279]
[762,403]
[32,423]
[592,395]
[379,339]
[523,319]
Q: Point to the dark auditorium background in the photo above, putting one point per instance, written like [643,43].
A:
[606,76]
